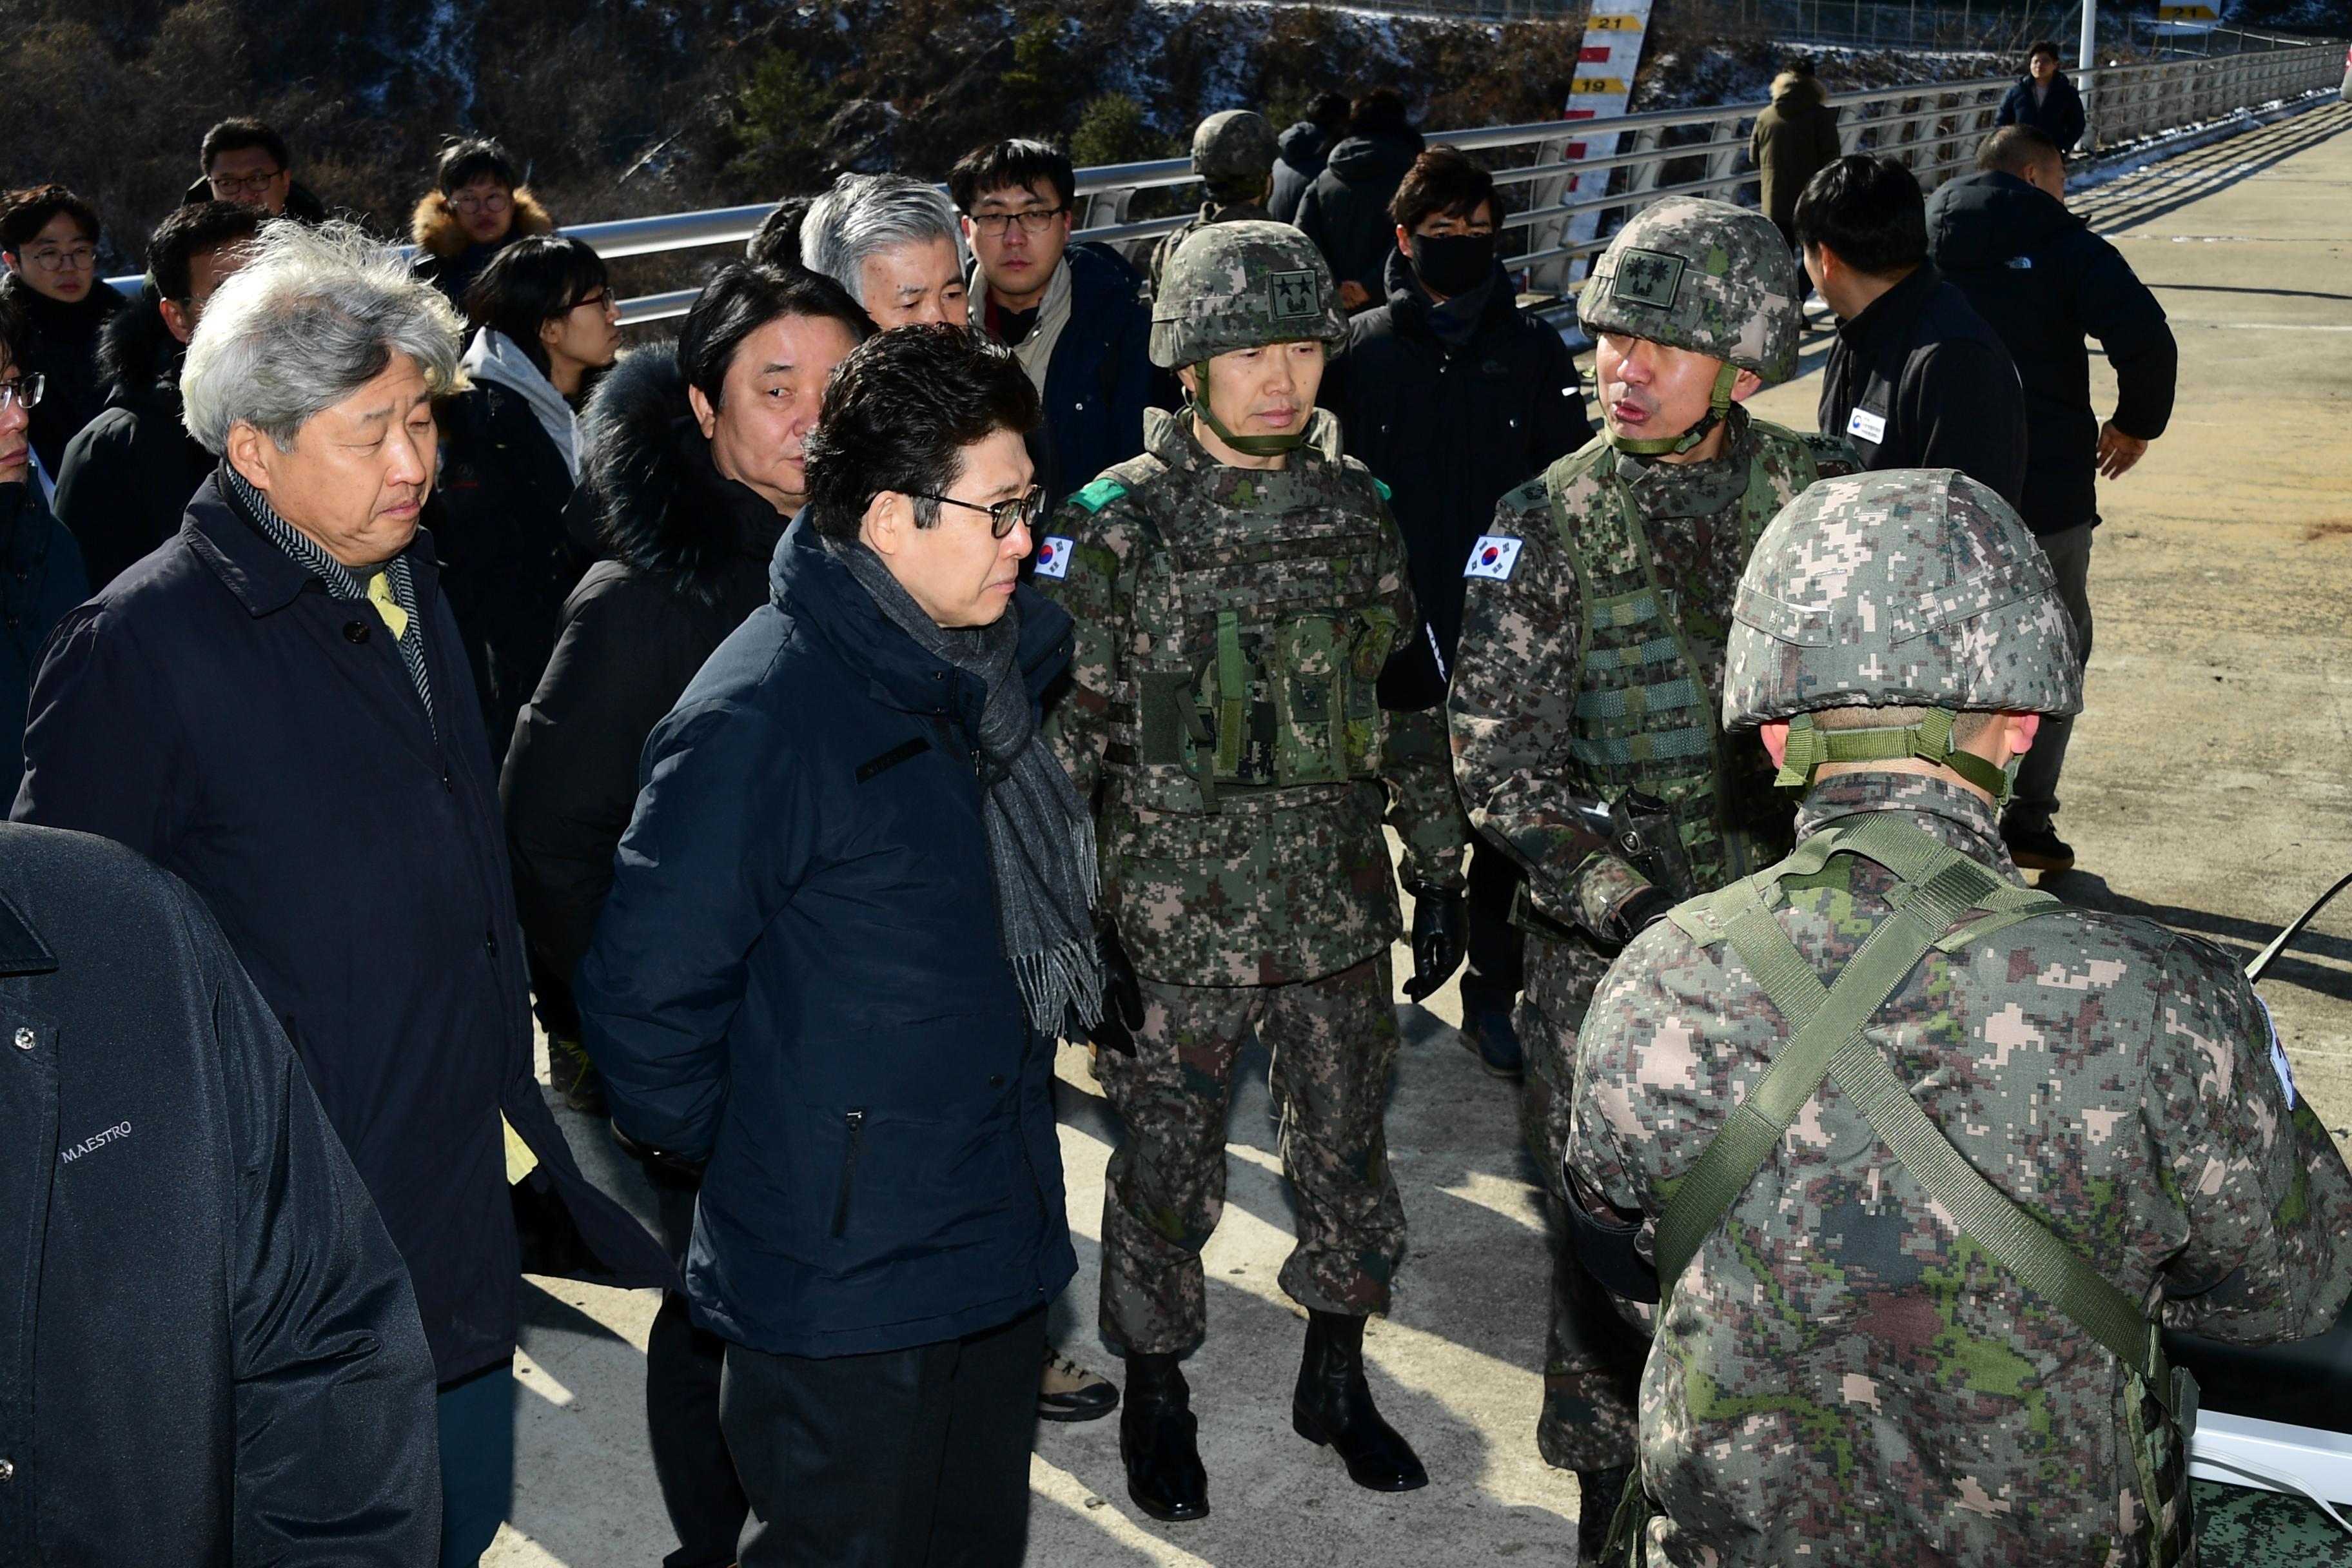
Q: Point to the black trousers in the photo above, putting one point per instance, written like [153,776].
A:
[1497,948]
[706,1503]
[911,1458]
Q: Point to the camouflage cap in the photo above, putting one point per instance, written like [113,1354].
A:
[1906,588]
[1235,145]
[1242,286]
[1704,275]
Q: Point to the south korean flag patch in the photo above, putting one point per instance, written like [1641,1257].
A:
[1493,557]
[1054,556]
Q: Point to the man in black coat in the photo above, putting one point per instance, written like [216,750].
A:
[1303,150]
[2044,99]
[851,912]
[1452,397]
[1915,378]
[696,460]
[275,706]
[247,161]
[1346,210]
[2043,280]
[1077,317]
[211,1352]
[127,477]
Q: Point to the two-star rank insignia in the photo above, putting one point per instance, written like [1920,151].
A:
[1294,294]
[1648,277]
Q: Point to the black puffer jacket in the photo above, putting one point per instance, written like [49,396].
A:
[61,345]
[505,564]
[127,476]
[688,562]
[1449,427]
[1346,210]
[1306,147]
[2043,280]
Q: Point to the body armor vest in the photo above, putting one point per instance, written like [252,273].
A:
[1259,633]
[1645,718]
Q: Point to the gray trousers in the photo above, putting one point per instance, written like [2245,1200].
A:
[2035,799]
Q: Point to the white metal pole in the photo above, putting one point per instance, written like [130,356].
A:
[2086,60]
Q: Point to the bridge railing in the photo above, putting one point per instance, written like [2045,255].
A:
[1933,127]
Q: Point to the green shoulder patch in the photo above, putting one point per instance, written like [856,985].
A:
[1529,497]
[1099,495]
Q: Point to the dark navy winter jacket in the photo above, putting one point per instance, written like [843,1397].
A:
[799,976]
[2058,116]
[216,711]
[1100,376]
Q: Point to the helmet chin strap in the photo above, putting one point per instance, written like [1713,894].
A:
[1717,406]
[1247,445]
[1930,739]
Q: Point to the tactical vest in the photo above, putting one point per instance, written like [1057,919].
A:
[1644,717]
[1258,635]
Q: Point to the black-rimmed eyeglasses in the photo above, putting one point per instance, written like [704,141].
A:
[1033,220]
[1005,515]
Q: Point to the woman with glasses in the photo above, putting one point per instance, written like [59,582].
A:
[40,566]
[544,323]
[49,240]
[478,206]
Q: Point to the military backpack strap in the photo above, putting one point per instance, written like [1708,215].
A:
[1939,885]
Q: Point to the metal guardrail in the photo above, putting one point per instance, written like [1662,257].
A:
[1932,127]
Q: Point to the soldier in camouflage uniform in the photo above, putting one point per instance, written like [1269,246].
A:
[1592,651]
[1233,154]
[1844,1371]
[1237,590]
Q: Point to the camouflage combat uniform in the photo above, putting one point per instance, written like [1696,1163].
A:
[1592,651]
[1248,881]
[1232,150]
[1840,1373]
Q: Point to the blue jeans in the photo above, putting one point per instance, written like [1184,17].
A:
[477,1462]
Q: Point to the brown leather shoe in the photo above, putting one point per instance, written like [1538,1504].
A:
[1068,1392]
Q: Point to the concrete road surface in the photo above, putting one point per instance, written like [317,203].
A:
[2207,788]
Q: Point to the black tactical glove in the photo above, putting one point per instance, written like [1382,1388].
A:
[1440,935]
[1636,910]
[1122,1011]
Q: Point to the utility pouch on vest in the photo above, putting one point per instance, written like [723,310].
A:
[1310,696]
[1938,885]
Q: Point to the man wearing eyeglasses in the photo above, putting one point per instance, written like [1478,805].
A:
[246,162]
[852,911]
[1076,316]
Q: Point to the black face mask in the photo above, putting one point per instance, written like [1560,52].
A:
[1452,264]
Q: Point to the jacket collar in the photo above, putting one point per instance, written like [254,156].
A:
[1410,305]
[22,951]
[1893,311]
[813,587]
[264,578]
[1943,809]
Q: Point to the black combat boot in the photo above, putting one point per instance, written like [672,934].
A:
[1333,1406]
[1156,1433]
[1598,1494]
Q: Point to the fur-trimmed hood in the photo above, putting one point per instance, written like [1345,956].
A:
[664,511]
[138,358]
[437,231]
[1798,90]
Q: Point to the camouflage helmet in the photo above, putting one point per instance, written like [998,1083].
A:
[1704,275]
[1233,147]
[1906,588]
[1243,286]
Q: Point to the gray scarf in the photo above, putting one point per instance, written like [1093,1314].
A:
[1041,841]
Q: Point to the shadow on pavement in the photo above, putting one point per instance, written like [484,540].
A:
[2242,939]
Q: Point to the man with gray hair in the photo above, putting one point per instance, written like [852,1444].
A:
[894,242]
[273,705]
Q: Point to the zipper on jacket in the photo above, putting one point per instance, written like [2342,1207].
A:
[855,1122]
